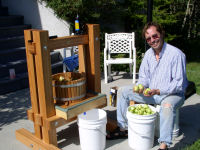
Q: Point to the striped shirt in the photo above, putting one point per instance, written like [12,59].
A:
[168,74]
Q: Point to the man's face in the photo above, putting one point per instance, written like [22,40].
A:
[154,39]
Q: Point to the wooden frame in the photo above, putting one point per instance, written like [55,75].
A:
[43,112]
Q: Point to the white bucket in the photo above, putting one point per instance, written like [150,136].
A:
[175,132]
[92,129]
[141,130]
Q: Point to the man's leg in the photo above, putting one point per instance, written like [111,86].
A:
[167,118]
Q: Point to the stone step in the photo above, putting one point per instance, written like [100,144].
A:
[3,11]
[12,42]
[11,20]
[11,31]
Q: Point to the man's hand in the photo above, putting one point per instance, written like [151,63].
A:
[152,92]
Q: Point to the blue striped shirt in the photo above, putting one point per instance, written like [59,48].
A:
[168,74]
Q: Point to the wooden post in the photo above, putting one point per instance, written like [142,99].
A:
[93,59]
[82,58]
[32,81]
[44,82]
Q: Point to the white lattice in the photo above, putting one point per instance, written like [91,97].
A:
[119,46]
[119,42]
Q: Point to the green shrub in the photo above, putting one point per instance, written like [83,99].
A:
[194,146]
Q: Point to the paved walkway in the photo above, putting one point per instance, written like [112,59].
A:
[13,116]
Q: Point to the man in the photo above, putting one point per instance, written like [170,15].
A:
[163,70]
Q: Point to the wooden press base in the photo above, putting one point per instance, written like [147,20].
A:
[31,141]
[75,108]
[64,115]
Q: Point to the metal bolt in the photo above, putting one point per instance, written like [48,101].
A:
[45,47]
[31,145]
[56,123]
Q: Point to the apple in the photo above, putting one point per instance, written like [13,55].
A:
[145,106]
[146,92]
[136,88]
[141,110]
[61,78]
[141,87]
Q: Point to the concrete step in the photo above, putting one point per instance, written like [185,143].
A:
[3,11]
[11,31]
[17,61]
[20,66]
[10,85]
[10,55]
[12,42]
[11,20]
[21,80]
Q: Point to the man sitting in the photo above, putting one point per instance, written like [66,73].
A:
[163,70]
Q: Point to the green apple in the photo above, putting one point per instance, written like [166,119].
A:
[141,110]
[146,92]
[141,87]
[136,89]
[145,106]
[61,78]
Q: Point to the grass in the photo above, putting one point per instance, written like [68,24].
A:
[194,146]
[193,74]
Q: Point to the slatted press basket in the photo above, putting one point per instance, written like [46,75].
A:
[69,87]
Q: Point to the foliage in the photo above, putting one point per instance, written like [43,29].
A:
[179,18]
[194,146]
[193,74]
[89,11]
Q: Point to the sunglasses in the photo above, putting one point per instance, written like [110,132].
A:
[155,36]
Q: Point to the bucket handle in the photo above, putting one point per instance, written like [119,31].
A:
[139,133]
[94,129]
[101,132]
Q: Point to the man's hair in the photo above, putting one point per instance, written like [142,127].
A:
[158,28]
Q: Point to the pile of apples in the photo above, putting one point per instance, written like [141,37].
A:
[140,88]
[142,109]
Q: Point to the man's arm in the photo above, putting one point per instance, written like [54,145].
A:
[179,79]
[144,73]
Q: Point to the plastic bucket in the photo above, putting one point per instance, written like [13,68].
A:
[175,132]
[92,129]
[141,130]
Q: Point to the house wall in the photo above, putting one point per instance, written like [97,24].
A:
[39,16]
